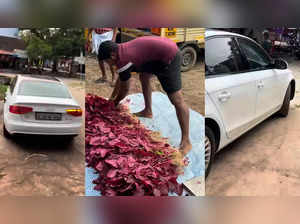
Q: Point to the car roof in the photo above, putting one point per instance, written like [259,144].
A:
[215,32]
[38,77]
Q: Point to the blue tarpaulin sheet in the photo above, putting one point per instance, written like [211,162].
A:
[165,121]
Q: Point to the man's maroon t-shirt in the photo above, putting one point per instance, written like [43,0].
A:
[143,50]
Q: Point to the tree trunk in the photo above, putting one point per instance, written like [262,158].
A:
[71,67]
[54,66]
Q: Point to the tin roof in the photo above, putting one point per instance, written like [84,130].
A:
[10,43]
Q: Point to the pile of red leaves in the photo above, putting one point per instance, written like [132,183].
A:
[123,153]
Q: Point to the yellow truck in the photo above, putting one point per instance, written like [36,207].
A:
[189,40]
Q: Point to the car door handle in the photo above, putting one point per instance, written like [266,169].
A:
[260,85]
[224,96]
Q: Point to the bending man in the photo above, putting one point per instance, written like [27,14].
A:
[148,56]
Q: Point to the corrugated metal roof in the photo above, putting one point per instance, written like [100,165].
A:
[9,43]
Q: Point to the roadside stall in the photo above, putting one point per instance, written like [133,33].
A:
[21,60]
[6,59]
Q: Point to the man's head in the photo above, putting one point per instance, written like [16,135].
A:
[266,35]
[108,50]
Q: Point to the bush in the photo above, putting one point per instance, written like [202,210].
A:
[3,89]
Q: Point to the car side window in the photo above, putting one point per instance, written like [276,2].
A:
[221,56]
[255,55]
[12,85]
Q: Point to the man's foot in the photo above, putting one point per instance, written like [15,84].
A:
[112,84]
[185,147]
[101,80]
[144,113]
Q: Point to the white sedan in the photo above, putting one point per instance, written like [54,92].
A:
[40,105]
[243,85]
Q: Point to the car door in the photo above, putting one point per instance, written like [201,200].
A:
[232,92]
[267,80]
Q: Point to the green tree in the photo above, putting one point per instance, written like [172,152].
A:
[38,50]
[64,42]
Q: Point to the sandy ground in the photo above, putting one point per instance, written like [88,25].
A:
[265,161]
[193,84]
[32,165]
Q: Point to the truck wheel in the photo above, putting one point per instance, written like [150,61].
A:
[210,149]
[189,58]
[284,110]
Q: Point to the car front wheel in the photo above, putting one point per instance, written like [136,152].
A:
[210,149]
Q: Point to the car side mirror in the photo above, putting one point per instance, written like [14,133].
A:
[280,64]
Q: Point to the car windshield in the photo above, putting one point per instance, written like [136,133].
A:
[43,89]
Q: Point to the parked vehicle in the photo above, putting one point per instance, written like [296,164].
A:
[40,105]
[244,86]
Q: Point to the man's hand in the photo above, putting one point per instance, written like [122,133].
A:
[116,103]
[122,93]
[115,31]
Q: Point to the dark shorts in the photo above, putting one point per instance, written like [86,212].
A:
[169,76]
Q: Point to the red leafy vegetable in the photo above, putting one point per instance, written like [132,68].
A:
[125,155]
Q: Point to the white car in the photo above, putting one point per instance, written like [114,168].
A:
[243,87]
[40,105]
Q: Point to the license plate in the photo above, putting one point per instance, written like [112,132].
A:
[48,116]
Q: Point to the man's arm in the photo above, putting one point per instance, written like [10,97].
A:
[123,91]
[115,30]
[116,89]
[90,31]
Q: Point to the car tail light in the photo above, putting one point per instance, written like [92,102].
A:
[19,109]
[74,112]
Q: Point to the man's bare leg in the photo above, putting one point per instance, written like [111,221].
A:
[103,72]
[183,117]
[145,79]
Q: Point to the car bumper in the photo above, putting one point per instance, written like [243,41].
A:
[20,127]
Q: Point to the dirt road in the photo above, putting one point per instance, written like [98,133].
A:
[34,165]
[192,81]
[266,160]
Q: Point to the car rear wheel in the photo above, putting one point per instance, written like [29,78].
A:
[70,138]
[6,134]
[284,110]
[210,149]
[189,58]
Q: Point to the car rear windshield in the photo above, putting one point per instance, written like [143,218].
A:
[43,89]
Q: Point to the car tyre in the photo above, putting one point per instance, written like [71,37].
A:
[284,110]
[70,138]
[189,58]
[210,149]
[6,134]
